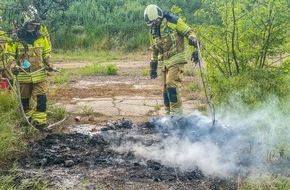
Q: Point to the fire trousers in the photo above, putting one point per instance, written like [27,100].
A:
[36,92]
[171,81]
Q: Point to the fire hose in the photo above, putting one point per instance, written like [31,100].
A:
[18,94]
[197,59]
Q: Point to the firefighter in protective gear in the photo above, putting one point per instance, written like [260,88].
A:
[168,53]
[5,71]
[30,59]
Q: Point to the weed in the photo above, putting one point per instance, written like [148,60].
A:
[157,106]
[56,113]
[88,111]
[111,69]
[108,69]
[145,72]
[61,77]
[193,87]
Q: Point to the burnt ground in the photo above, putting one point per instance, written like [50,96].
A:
[78,161]
[133,149]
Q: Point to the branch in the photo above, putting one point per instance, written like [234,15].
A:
[233,38]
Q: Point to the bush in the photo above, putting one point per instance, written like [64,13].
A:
[111,69]
[253,87]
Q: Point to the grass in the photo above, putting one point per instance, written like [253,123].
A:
[94,56]
[145,72]
[89,111]
[56,113]
[266,183]
[61,77]
[11,144]
[107,69]
[65,75]
[11,181]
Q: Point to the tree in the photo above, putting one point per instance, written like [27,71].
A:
[250,31]
[242,46]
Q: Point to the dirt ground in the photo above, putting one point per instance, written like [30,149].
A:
[90,151]
[127,94]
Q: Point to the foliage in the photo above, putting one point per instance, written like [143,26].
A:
[94,24]
[252,86]
[11,144]
[240,50]
[248,35]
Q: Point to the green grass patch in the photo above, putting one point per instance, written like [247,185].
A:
[94,56]
[107,69]
[61,77]
[11,144]
[66,75]
[55,113]
[193,87]
[267,183]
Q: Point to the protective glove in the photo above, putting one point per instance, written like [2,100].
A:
[49,66]
[15,69]
[193,41]
[14,36]
[153,69]
[194,57]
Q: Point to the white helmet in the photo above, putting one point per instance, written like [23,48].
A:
[28,17]
[151,13]
[32,9]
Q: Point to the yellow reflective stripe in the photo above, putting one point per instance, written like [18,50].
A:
[38,77]
[40,117]
[186,30]
[24,78]
[29,113]
[34,78]
[178,58]
[173,38]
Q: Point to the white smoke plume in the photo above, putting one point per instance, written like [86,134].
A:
[242,141]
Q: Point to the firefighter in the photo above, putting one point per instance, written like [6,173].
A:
[30,59]
[168,53]
[5,71]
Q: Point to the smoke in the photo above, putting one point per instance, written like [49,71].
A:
[243,141]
